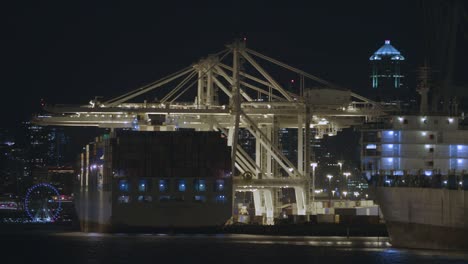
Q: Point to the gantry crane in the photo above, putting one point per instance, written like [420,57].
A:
[232,91]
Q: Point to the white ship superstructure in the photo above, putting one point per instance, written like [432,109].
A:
[415,145]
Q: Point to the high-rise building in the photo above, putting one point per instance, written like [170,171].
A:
[12,164]
[386,73]
[45,146]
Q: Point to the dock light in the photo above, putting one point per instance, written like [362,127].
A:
[345,193]
[450,119]
[329,177]
[400,119]
[423,133]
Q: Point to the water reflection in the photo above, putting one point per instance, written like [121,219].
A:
[227,248]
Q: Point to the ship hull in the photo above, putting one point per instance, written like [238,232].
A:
[412,235]
[424,217]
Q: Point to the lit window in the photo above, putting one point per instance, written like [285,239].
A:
[220,199]
[123,186]
[163,185]
[181,186]
[143,186]
[123,199]
[200,185]
[219,185]
[371,146]
[199,198]
[145,198]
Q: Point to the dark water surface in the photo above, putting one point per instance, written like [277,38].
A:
[76,247]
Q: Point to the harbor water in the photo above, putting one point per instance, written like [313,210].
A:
[77,247]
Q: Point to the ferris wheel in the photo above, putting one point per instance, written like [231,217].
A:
[42,204]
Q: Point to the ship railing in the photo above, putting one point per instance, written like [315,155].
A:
[436,181]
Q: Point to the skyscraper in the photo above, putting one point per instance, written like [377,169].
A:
[386,75]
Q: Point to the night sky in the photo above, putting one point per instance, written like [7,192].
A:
[71,51]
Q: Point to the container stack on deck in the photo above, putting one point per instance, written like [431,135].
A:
[157,179]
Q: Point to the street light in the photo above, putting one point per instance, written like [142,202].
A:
[313,165]
[340,163]
[329,185]
[346,174]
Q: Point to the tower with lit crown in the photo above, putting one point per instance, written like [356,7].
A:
[386,62]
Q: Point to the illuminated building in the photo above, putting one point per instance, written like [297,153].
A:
[386,63]
[11,164]
[43,146]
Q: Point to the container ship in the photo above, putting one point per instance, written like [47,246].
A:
[154,180]
[418,166]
